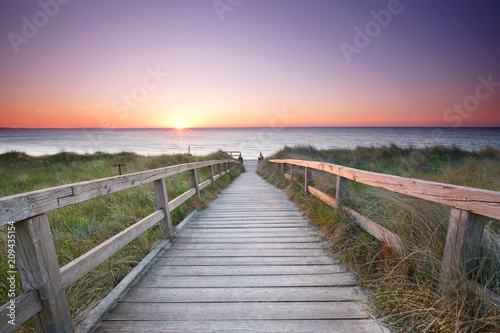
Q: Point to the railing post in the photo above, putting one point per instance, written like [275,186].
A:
[306,180]
[291,172]
[162,203]
[211,175]
[465,232]
[194,182]
[39,270]
[283,168]
[340,190]
[219,169]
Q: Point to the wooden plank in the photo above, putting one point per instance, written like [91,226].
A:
[210,172]
[243,270]
[246,253]
[251,220]
[95,188]
[479,201]
[184,223]
[218,246]
[318,326]
[324,280]
[243,261]
[204,184]
[485,293]
[228,211]
[382,234]
[225,273]
[278,215]
[238,311]
[223,236]
[340,190]
[23,206]
[109,301]
[161,199]
[465,232]
[194,183]
[306,179]
[214,295]
[269,231]
[25,306]
[376,230]
[74,270]
[39,270]
[264,216]
[195,226]
[173,204]
[247,240]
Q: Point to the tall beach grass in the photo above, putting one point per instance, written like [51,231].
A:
[405,287]
[79,228]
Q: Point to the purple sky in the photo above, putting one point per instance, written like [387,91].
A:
[253,63]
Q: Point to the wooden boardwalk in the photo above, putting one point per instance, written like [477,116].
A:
[248,263]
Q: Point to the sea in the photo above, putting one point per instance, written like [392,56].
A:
[249,141]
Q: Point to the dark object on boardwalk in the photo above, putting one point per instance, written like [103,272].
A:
[261,157]
[240,159]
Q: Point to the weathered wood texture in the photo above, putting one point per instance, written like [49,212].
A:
[23,206]
[470,207]
[162,203]
[194,183]
[25,306]
[306,180]
[249,262]
[42,278]
[210,172]
[39,270]
[109,301]
[465,232]
[374,229]
[77,268]
[340,190]
[482,202]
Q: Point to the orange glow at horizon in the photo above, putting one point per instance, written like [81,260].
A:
[344,113]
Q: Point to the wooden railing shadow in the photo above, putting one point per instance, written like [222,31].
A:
[44,297]
[469,209]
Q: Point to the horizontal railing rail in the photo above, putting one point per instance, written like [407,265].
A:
[44,298]
[469,209]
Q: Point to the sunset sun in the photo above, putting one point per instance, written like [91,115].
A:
[179,124]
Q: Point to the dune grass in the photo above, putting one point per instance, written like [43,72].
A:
[78,228]
[405,287]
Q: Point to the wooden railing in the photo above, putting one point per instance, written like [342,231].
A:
[43,281]
[470,207]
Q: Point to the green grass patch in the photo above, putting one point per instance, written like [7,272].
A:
[405,287]
[79,228]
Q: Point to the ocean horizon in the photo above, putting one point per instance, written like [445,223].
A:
[249,140]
